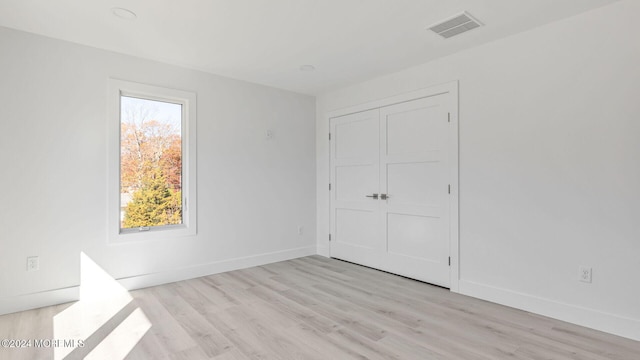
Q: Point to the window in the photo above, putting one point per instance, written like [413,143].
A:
[152,162]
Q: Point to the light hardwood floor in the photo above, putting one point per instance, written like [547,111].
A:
[319,308]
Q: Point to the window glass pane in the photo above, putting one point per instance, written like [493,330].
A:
[150,163]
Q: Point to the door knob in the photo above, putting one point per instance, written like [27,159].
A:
[374,196]
[384,196]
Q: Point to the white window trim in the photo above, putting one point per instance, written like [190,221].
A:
[189,198]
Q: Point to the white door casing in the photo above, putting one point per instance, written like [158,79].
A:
[407,150]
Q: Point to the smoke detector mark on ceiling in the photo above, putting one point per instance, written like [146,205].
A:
[455,25]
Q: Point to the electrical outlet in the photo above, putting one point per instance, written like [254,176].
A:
[33,263]
[584,274]
[300,230]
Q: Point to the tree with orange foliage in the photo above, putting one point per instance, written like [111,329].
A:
[150,168]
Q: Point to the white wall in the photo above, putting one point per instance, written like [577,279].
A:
[253,192]
[549,165]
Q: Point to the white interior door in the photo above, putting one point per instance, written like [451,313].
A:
[414,175]
[399,152]
[355,168]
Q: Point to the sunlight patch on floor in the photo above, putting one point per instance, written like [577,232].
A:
[123,338]
[101,299]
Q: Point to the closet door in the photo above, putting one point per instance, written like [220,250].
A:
[356,226]
[414,163]
[390,189]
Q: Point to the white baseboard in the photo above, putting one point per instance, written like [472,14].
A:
[13,304]
[598,320]
[59,296]
[153,279]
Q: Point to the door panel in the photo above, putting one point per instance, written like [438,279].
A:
[413,131]
[353,228]
[355,182]
[357,138]
[414,236]
[415,183]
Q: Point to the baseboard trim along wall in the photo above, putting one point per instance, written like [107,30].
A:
[59,296]
[606,322]
[17,303]
[191,272]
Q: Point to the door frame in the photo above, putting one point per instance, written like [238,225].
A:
[450,88]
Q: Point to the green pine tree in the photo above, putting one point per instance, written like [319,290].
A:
[154,204]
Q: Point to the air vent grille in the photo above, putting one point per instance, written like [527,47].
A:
[455,25]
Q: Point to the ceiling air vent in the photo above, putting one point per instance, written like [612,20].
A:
[455,25]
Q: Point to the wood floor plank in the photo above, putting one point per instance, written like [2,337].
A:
[246,340]
[206,337]
[233,354]
[168,331]
[149,347]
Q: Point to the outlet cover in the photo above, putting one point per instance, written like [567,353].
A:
[33,263]
[584,274]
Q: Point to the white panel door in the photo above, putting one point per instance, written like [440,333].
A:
[355,168]
[414,176]
[399,153]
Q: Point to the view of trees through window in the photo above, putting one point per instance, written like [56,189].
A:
[150,163]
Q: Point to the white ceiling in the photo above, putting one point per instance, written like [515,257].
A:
[266,41]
